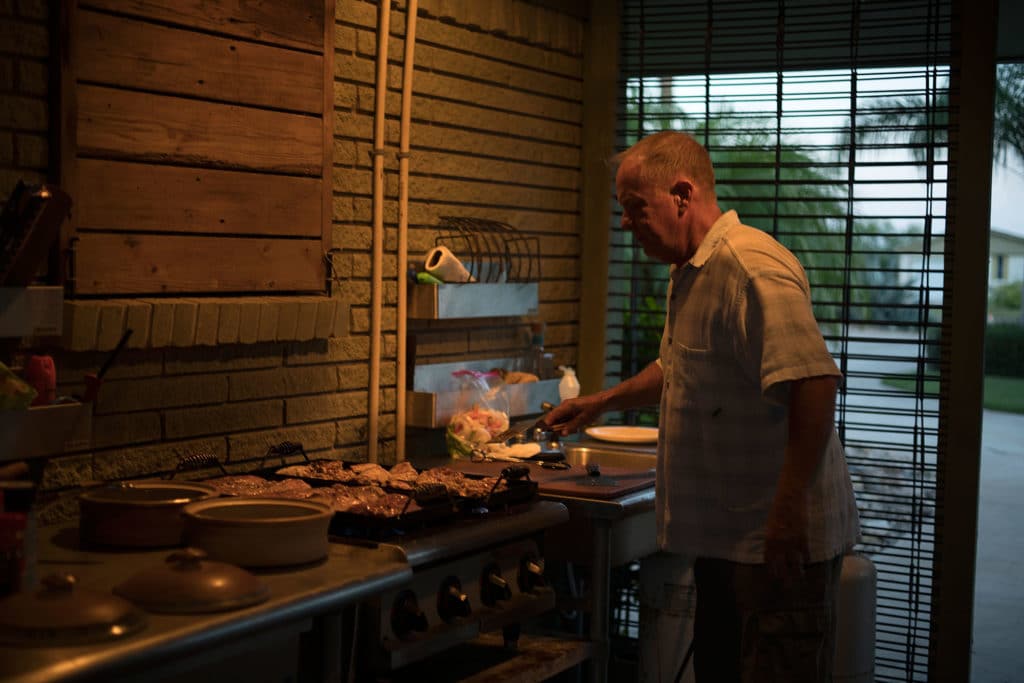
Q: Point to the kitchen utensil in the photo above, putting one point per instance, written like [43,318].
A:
[522,428]
[59,613]
[190,583]
[93,382]
[259,532]
[138,514]
[29,224]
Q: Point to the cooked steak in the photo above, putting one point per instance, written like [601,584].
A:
[252,485]
[370,473]
[326,470]
[238,484]
[458,484]
[368,500]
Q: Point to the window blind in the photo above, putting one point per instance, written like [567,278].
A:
[827,124]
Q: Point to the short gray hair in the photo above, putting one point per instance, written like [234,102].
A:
[667,153]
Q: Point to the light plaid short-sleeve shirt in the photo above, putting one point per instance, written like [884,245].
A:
[739,328]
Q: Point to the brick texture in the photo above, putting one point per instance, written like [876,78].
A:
[230,377]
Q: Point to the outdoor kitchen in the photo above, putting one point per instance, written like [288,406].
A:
[341,340]
[249,303]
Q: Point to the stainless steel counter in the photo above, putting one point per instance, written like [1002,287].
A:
[602,533]
[349,574]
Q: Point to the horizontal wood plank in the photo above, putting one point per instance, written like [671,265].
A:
[295,23]
[117,264]
[127,124]
[137,54]
[122,196]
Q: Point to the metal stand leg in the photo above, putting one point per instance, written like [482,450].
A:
[600,599]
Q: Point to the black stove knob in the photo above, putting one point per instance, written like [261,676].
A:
[452,603]
[406,615]
[493,587]
[531,574]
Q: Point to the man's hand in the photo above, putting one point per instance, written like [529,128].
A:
[571,415]
[642,389]
[786,547]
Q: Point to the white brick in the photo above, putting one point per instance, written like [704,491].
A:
[230,319]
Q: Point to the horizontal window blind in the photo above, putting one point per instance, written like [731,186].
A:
[828,127]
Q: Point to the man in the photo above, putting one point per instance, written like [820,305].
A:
[752,479]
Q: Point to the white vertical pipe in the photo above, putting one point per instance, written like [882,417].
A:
[376,281]
[412,7]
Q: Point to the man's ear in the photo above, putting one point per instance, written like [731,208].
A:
[682,191]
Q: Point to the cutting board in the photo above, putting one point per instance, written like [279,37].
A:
[572,482]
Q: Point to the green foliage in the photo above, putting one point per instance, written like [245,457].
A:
[1004,350]
[1007,296]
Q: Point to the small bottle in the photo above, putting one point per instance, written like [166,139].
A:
[569,387]
[539,362]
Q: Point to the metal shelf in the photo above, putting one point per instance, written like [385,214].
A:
[473,300]
[31,311]
[45,430]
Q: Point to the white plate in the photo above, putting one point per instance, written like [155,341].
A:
[624,434]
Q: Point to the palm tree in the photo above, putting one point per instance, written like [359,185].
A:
[1009,109]
[925,123]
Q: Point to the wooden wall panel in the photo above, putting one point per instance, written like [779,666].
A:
[126,264]
[295,23]
[118,51]
[159,128]
[196,200]
[202,132]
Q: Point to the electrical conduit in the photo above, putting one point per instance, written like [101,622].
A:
[412,7]
[376,281]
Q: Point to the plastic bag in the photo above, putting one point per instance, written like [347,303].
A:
[482,412]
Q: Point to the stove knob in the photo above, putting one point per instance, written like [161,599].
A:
[452,603]
[406,615]
[531,574]
[493,587]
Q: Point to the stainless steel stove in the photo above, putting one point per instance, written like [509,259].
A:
[472,575]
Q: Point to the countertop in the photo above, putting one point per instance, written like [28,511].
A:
[348,574]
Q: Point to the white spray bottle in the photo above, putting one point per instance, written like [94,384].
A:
[569,387]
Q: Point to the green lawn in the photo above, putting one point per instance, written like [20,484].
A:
[1005,394]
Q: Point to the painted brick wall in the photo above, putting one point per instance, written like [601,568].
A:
[496,134]
[24,111]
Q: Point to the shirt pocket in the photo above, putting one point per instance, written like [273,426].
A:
[692,381]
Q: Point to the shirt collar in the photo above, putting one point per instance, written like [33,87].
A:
[713,238]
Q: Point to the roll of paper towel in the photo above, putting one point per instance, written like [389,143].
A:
[444,265]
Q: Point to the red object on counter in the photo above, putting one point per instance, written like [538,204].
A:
[41,374]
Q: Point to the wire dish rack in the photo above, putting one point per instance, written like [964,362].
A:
[492,251]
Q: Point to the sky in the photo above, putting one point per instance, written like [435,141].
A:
[1007,195]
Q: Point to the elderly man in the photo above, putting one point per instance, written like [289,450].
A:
[752,479]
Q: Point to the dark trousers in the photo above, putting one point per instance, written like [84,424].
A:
[751,628]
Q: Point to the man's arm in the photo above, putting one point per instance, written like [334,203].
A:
[811,421]
[642,389]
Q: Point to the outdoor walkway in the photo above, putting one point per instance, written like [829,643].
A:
[998,656]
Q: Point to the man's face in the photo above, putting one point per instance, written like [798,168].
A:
[652,213]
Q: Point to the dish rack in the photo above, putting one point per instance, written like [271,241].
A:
[504,263]
[492,251]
